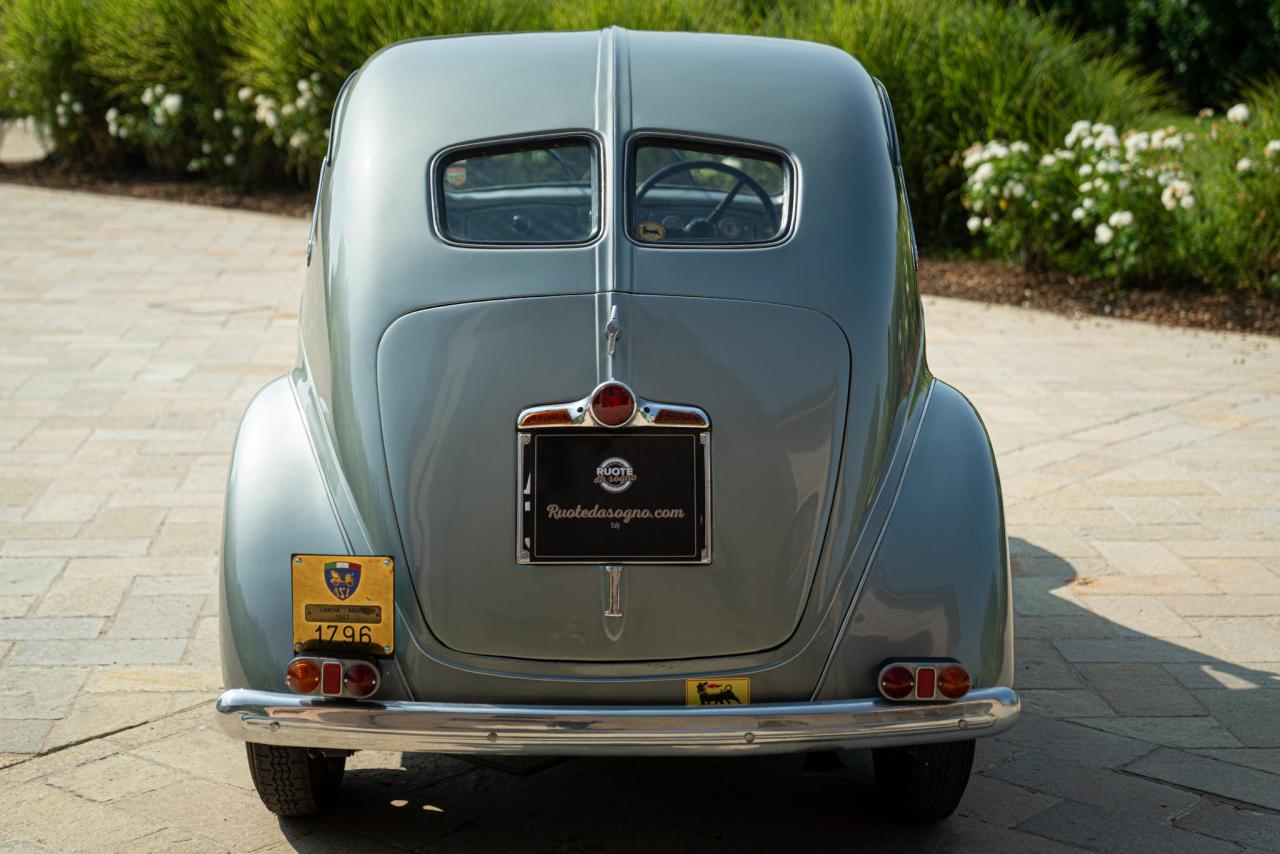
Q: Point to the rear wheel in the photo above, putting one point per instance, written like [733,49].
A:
[294,781]
[924,782]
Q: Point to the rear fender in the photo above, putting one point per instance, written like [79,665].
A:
[938,585]
[277,505]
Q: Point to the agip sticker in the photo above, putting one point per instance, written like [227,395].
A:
[735,691]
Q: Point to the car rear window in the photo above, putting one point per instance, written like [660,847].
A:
[685,192]
[521,193]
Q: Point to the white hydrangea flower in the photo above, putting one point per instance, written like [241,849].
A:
[112,115]
[1272,149]
[1048,161]
[1085,170]
[172,103]
[1077,214]
[206,148]
[1079,130]
[237,131]
[974,223]
[245,93]
[1244,164]
[219,114]
[148,95]
[299,139]
[229,160]
[288,110]
[270,119]
[1188,202]
[123,133]
[1086,187]
[304,85]
[1102,234]
[983,174]
[159,89]
[1120,219]
[1086,202]
[1239,114]
[1019,147]
[65,97]
[1015,189]
[986,222]
[77,107]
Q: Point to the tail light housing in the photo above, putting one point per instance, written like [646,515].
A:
[613,404]
[923,681]
[332,677]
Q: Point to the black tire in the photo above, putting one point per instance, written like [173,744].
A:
[294,781]
[923,782]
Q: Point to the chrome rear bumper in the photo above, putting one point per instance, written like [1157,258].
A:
[288,719]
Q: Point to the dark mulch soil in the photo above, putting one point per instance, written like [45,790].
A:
[983,281]
[988,281]
[143,185]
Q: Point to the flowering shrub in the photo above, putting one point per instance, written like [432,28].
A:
[1126,206]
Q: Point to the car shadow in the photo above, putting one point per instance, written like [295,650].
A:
[819,801]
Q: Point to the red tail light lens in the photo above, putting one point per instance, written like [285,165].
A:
[613,404]
[302,676]
[331,679]
[361,680]
[896,683]
[954,683]
[925,679]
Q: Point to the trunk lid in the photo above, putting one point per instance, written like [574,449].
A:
[451,380]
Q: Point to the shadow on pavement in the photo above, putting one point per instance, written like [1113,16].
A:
[828,801]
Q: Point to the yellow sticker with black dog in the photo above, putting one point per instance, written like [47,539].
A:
[734,691]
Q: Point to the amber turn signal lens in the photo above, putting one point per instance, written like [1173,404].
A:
[361,680]
[954,683]
[302,676]
[613,405]
[547,418]
[896,683]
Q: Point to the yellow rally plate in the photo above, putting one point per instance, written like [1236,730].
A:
[344,601]
[717,692]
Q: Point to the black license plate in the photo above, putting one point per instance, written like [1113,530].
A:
[604,497]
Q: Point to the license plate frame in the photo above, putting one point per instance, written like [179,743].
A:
[343,602]
[658,475]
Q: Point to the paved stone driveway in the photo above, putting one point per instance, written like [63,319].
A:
[1141,470]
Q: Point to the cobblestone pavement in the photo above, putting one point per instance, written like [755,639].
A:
[1141,470]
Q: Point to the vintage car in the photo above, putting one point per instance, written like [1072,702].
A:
[611,431]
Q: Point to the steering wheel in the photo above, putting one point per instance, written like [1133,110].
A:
[707,227]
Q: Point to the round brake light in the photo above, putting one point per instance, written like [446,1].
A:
[954,683]
[613,404]
[302,676]
[897,683]
[361,679]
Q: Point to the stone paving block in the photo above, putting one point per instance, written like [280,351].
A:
[1065,703]
[1224,606]
[23,736]
[66,507]
[1246,577]
[1263,759]
[1142,558]
[1255,829]
[96,714]
[1038,665]
[204,752]
[1203,731]
[1140,616]
[1253,716]
[173,840]
[1138,649]
[1204,774]
[1225,674]
[124,522]
[20,577]
[113,777]
[102,651]
[34,692]
[1073,741]
[74,548]
[83,597]
[1081,625]
[15,606]
[224,814]
[1002,803]
[1243,638]
[1044,597]
[147,565]
[44,628]
[162,678]
[156,617]
[174,585]
[61,821]
[1107,831]
[1093,784]
[1142,690]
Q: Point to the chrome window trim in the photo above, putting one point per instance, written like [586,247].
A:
[791,186]
[435,187]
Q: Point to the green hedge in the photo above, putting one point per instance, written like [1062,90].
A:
[239,91]
[1208,50]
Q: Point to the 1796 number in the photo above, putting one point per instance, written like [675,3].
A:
[343,634]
